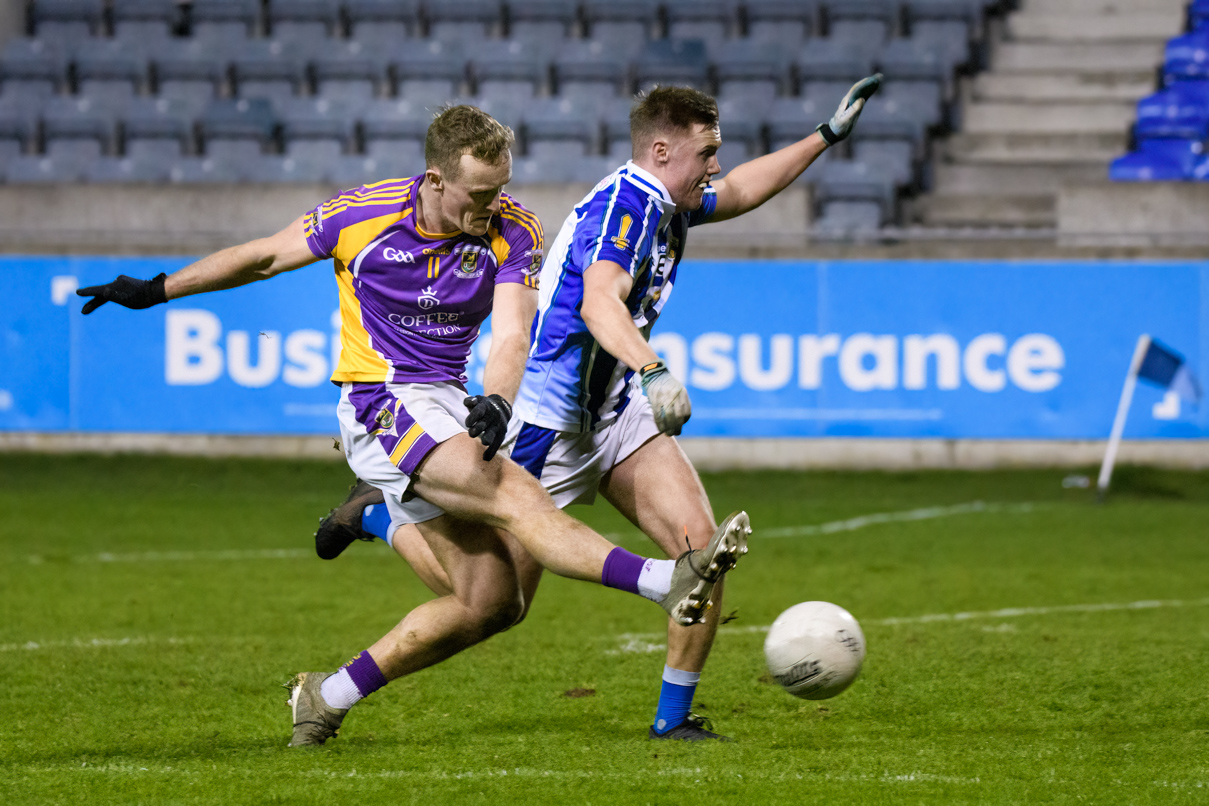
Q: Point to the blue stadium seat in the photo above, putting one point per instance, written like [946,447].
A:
[316,128]
[67,21]
[560,128]
[158,128]
[192,71]
[352,171]
[850,181]
[28,170]
[281,170]
[620,22]
[127,170]
[207,171]
[591,69]
[1187,57]
[1180,111]
[860,24]
[141,21]
[225,20]
[428,72]
[591,170]
[843,219]
[543,171]
[295,20]
[892,158]
[791,119]
[110,69]
[1158,160]
[18,129]
[711,21]
[681,62]
[507,69]
[542,21]
[1198,15]
[745,68]
[269,69]
[350,70]
[383,22]
[887,118]
[78,128]
[947,26]
[32,68]
[742,124]
[395,130]
[615,117]
[786,23]
[237,127]
[827,68]
[467,21]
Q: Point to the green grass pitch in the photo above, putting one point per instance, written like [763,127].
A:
[152,607]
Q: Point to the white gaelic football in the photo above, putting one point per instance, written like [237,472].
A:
[815,650]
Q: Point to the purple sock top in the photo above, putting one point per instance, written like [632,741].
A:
[365,674]
[622,569]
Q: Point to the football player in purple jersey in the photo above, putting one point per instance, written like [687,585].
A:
[420,262]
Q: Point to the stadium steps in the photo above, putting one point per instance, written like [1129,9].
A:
[1053,109]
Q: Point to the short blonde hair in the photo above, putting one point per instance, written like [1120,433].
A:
[463,129]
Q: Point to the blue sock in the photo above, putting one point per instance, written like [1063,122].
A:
[675,698]
[375,519]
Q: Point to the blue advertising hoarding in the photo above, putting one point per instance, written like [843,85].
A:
[767,348]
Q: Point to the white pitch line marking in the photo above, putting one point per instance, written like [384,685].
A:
[185,556]
[904,516]
[642,643]
[92,643]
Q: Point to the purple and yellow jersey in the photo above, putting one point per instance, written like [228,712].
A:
[411,301]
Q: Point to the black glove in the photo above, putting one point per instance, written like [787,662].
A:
[128,291]
[488,420]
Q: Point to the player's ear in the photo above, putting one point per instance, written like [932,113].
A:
[661,151]
[432,175]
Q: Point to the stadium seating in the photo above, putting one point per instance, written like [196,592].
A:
[341,90]
[1173,124]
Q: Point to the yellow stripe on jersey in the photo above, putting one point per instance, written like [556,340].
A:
[510,206]
[526,220]
[405,443]
[359,362]
[365,201]
[377,189]
[499,246]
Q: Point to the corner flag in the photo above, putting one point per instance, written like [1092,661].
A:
[1157,364]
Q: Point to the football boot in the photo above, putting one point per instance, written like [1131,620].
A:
[314,720]
[343,524]
[694,728]
[698,570]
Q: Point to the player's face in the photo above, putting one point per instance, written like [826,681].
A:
[692,162]
[470,200]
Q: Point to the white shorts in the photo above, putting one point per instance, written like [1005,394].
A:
[569,465]
[389,428]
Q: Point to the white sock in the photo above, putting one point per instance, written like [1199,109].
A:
[339,691]
[655,579]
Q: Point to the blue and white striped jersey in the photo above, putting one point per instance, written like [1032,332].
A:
[571,383]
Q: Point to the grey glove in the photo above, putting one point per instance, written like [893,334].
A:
[840,125]
[668,397]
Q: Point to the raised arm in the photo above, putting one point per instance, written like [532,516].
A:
[229,268]
[753,183]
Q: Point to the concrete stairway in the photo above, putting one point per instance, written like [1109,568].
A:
[1053,109]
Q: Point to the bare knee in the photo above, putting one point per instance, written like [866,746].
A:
[494,614]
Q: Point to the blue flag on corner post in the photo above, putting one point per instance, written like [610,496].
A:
[1165,367]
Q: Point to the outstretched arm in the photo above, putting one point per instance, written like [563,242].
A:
[755,182]
[238,265]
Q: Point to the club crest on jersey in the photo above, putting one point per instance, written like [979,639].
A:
[428,299]
[385,419]
[535,262]
[470,267]
[620,240]
[317,220]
